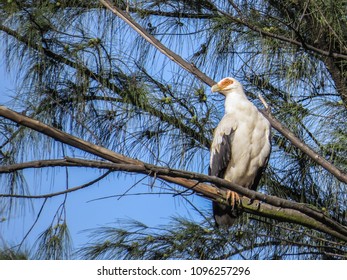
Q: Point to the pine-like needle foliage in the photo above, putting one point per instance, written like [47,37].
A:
[83,70]
[185,239]
[12,254]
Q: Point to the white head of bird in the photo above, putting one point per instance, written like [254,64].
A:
[232,89]
[227,85]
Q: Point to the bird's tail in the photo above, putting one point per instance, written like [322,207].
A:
[225,216]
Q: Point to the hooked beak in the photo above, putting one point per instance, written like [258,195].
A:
[216,88]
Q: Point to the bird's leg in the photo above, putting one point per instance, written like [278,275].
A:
[233,198]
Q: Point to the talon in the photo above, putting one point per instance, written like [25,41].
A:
[233,198]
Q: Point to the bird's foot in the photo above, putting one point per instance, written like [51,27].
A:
[233,198]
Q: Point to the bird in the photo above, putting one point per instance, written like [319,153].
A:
[240,148]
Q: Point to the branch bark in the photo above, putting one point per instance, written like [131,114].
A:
[273,207]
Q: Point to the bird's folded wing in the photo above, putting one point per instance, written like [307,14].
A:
[222,146]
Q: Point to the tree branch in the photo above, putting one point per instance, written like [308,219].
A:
[151,39]
[305,149]
[35,164]
[49,195]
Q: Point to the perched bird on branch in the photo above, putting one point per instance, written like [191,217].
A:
[240,148]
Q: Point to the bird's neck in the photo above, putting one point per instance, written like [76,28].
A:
[235,100]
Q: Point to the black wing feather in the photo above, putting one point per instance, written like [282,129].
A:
[221,159]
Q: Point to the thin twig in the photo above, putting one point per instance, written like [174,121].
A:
[267,107]
[33,225]
[64,192]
